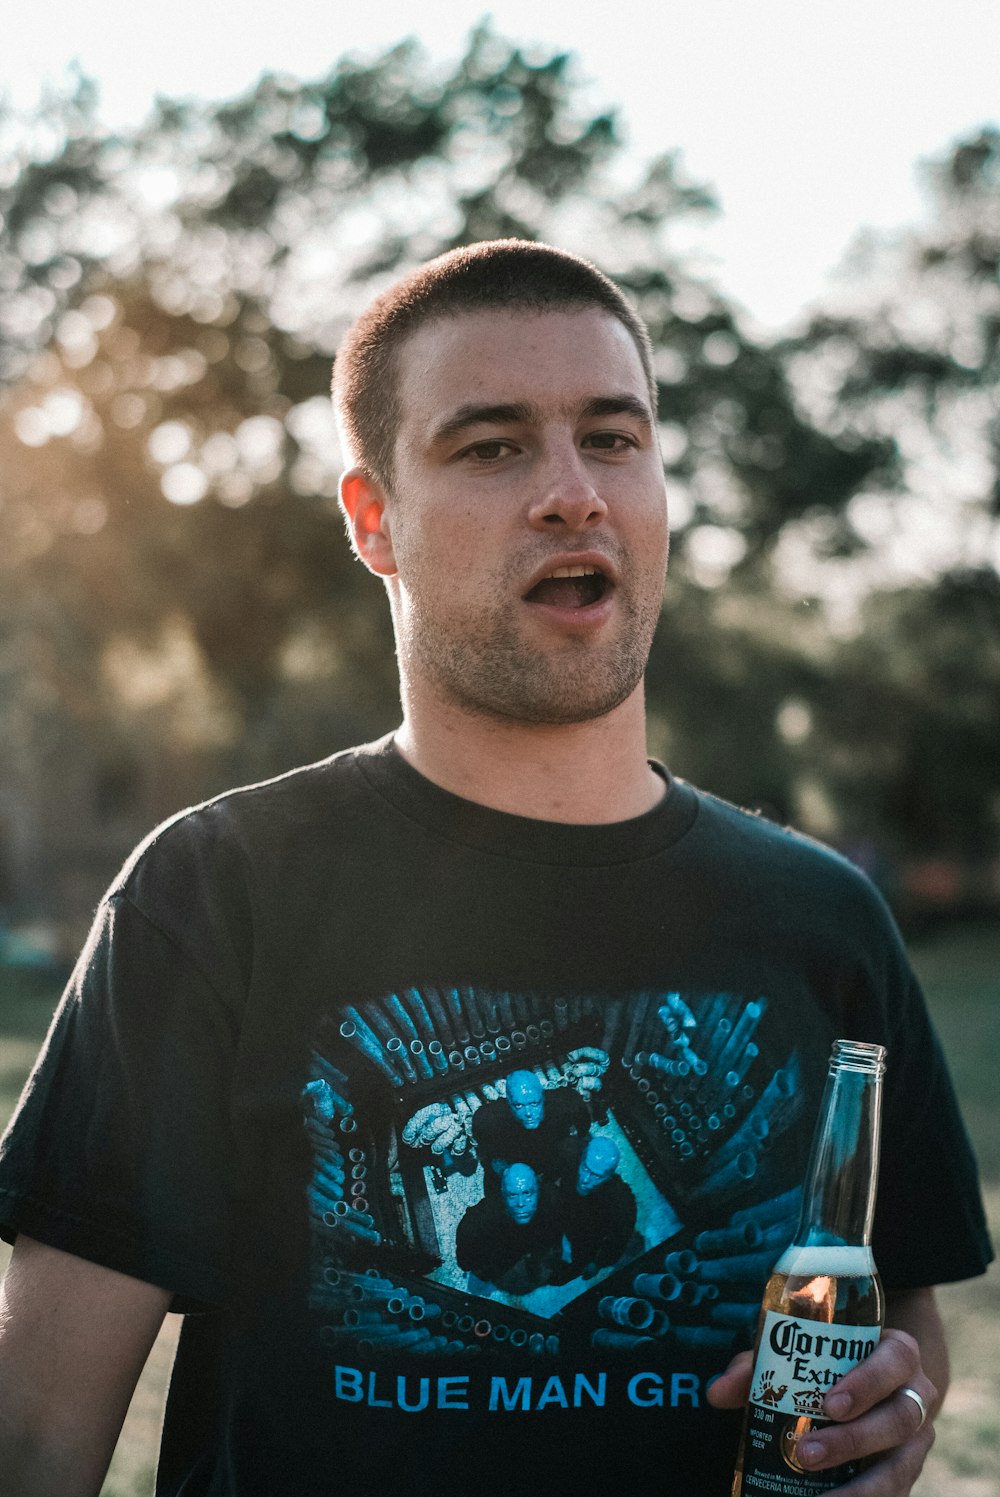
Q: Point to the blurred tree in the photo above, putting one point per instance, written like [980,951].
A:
[909,722]
[908,350]
[180,610]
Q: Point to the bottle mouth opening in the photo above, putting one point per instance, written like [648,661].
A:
[858,1055]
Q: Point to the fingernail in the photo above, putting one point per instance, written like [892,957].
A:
[837,1405]
[809,1451]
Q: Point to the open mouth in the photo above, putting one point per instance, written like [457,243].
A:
[570,587]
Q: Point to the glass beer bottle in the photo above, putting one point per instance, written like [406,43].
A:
[822,1308]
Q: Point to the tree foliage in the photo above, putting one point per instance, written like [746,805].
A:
[179,607]
[909,350]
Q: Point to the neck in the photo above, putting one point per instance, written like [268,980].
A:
[584,773]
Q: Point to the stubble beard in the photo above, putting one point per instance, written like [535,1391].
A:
[486,666]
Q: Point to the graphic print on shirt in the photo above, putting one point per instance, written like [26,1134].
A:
[529,1175]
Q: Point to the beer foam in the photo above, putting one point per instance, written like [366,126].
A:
[841,1262]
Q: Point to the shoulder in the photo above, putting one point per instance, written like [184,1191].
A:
[489,1117]
[791,904]
[482,1217]
[206,878]
[621,1191]
[746,852]
[565,1102]
[235,833]
[474,1213]
[550,1199]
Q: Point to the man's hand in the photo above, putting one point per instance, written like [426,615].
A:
[872,1416]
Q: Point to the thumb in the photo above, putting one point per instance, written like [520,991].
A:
[731,1389]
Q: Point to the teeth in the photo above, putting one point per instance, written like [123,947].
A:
[574,572]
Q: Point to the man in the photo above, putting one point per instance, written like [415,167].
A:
[544,1129]
[511,1240]
[504,480]
[597,1209]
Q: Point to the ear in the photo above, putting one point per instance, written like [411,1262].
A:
[363,502]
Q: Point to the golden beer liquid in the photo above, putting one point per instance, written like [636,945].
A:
[831,1285]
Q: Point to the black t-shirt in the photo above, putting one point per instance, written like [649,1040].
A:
[490,1243]
[260,1089]
[598,1224]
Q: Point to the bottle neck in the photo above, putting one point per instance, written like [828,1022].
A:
[839,1199]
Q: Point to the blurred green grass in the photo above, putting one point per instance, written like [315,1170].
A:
[960,970]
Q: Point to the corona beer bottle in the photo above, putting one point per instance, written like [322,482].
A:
[822,1308]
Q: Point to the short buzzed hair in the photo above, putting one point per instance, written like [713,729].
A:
[513,274]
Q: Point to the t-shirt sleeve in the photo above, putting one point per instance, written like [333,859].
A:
[930,1227]
[120,1150]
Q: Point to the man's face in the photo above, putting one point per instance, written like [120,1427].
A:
[526,1098]
[520,1193]
[597,1164]
[527,515]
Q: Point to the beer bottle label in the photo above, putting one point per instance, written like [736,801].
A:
[797,1362]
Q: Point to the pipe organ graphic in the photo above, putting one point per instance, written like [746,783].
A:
[698,1097]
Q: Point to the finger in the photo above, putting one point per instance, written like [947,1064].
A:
[731,1389]
[894,1362]
[891,1424]
[893,1474]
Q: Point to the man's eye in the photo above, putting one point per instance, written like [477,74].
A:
[610,441]
[487,452]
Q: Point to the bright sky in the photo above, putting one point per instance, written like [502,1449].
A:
[808,119]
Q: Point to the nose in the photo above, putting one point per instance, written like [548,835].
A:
[566,494]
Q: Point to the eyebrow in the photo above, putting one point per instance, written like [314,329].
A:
[619,405]
[521,413]
[517,413]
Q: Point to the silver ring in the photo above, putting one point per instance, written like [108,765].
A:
[912,1393]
